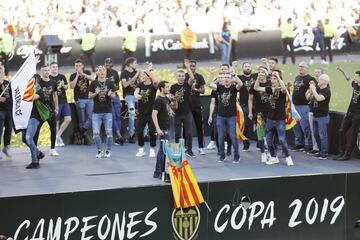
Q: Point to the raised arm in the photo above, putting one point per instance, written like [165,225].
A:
[344,73]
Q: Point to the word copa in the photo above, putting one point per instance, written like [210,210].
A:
[116,229]
[237,218]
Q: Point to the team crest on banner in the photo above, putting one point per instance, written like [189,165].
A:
[186,223]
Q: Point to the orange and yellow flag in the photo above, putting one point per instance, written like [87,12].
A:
[240,123]
[30,91]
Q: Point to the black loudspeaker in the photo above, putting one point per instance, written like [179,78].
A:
[50,44]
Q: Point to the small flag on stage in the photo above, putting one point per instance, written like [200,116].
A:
[292,116]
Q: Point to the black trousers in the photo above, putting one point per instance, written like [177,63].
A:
[183,122]
[4,58]
[6,121]
[89,57]
[350,120]
[127,53]
[142,120]
[321,45]
[198,119]
[327,42]
[52,125]
[285,43]
[233,51]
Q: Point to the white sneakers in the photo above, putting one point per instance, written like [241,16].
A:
[211,145]
[201,151]
[152,153]
[141,153]
[289,161]
[59,142]
[53,152]
[99,154]
[272,160]
[264,158]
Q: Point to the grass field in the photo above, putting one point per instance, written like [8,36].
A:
[340,89]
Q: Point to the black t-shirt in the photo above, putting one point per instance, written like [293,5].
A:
[81,90]
[161,104]
[127,76]
[146,102]
[277,104]
[61,93]
[184,100]
[45,91]
[321,109]
[261,99]
[354,106]
[195,96]
[113,76]
[301,85]
[245,88]
[102,102]
[226,100]
[215,95]
[7,105]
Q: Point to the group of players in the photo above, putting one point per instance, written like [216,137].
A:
[262,97]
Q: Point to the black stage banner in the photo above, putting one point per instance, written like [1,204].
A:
[322,207]
[167,48]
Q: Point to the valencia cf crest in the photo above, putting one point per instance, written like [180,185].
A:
[186,223]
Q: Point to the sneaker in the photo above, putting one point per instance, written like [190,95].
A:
[157,175]
[59,142]
[345,157]
[324,62]
[33,166]
[53,152]
[201,151]
[289,161]
[236,159]
[6,151]
[211,145]
[107,154]
[41,155]
[152,153]
[323,157]
[132,139]
[62,144]
[140,152]
[222,159]
[308,149]
[313,151]
[167,178]
[298,148]
[317,155]
[190,153]
[99,154]
[264,158]
[246,148]
[119,141]
[272,160]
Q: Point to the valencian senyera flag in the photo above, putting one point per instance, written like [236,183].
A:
[185,189]
[21,82]
[240,123]
[292,116]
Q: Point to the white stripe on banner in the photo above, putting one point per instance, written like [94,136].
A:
[22,109]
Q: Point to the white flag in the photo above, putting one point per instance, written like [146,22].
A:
[22,109]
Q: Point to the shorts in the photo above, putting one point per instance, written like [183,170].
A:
[64,111]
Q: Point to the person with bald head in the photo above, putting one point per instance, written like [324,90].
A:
[319,97]
[302,131]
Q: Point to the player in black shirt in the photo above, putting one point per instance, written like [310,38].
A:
[5,111]
[248,78]
[161,113]
[145,93]
[64,107]
[181,92]
[103,92]
[227,86]
[320,98]
[129,77]
[113,76]
[47,94]
[197,88]
[276,118]
[80,82]
[260,103]
[352,118]
[302,131]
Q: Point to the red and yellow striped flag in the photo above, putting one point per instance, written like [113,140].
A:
[30,91]
[240,123]
[185,188]
[290,122]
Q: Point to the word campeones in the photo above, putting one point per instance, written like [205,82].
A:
[105,228]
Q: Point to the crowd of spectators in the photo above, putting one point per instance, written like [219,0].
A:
[30,19]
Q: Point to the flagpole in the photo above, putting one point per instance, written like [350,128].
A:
[4,90]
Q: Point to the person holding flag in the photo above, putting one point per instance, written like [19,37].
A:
[276,117]
[227,85]
[260,102]
[5,111]
[44,109]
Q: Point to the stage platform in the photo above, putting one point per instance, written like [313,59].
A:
[77,169]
